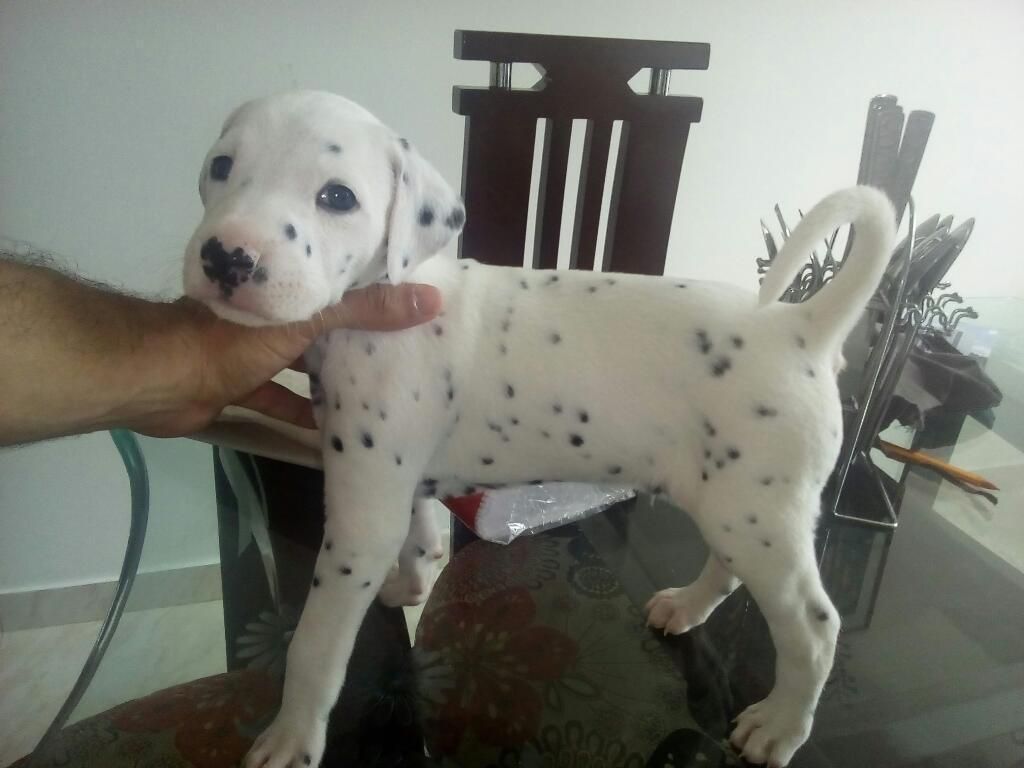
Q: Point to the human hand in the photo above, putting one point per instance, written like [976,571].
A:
[221,363]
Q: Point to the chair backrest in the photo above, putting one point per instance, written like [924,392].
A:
[584,78]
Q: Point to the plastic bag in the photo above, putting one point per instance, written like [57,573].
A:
[505,514]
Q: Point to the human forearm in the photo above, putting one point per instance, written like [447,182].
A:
[75,357]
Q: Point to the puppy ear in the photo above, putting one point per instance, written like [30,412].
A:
[425,212]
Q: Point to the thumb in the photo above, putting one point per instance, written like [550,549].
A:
[384,307]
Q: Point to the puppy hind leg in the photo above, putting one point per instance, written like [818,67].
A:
[774,557]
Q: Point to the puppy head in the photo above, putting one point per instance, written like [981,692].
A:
[306,195]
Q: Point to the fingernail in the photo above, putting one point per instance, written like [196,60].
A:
[426,301]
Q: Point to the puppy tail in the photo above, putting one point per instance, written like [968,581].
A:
[838,305]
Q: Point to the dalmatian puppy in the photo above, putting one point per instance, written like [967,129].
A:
[695,391]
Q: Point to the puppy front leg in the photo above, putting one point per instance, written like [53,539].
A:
[368,509]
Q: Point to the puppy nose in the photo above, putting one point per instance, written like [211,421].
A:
[228,269]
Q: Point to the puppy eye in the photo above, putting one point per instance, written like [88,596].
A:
[220,167]
[336,197]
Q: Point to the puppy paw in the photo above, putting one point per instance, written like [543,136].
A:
[412,586]
[289,742]
[771,731]
[679,609]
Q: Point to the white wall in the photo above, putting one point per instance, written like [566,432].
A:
[106,109]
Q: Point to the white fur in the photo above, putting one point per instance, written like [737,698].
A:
[724,403]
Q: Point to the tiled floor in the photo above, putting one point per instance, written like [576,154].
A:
[152,649]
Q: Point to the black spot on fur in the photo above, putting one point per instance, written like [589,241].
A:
[709,428]
[316,581]
[308,759]
[367,440]
[309,249]
[610,281]
[592,289]
[727,559]
[767,480]
[524,285]
[680,285]
[366,584]
[727,528]
[703,342]
[810,373]
[438,330]
[557,407]
[766,411]
[765,543]
[720,463]
[505,324]
[584,416]
[752,519]
[451,394]
[720,366]
[398,460]
[289,232]
[383,415]
[614,469]
[420,551]
[801,341]
[404,142]
[513,421]
[370,347]
[545,434]
[704,475]
[336,444]
[707,453]
[555,338]
[502,349]
[818,612]
[336,149]
[510,391]
[737,341]
[328,544]
[416,395]
[486,461]
[552,279]
[576,440]
[426,217]
[733,453]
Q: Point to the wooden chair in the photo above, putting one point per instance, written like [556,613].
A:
[583,78]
